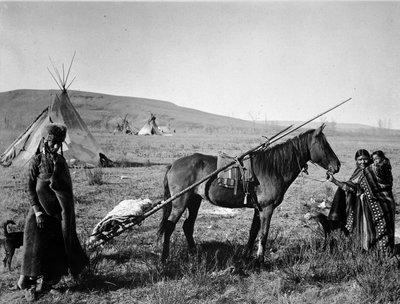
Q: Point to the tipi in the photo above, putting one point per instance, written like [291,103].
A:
[165,131]
[150,127]
[125,127]
[79,148]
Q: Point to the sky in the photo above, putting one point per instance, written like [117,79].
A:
[251,60]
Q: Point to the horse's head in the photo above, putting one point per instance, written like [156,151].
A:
[321,152]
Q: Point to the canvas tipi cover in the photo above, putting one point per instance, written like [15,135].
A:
[150,127]
[79,147]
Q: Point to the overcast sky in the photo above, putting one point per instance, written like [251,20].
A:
[264,60]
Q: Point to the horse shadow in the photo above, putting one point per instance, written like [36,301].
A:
[130,164]
[213,257]
[137,268]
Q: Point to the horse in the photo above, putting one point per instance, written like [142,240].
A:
[274,168]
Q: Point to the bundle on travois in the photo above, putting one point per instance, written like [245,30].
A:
[126,214]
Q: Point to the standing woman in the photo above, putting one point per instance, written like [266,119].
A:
[377,204]
[344,206]
[365,204]
[51,246]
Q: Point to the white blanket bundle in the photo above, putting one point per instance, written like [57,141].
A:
[126,210]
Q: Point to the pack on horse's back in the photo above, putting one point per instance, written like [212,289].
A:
[233,187]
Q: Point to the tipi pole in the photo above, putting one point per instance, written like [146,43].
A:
[63,73]
[55,79]
[57,73]
[69,69]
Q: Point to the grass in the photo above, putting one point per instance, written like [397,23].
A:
[94,176]
[298,267]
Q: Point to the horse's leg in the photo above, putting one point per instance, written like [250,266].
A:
[255,227]
[266,216]
[168,229]
[178,207]
[188,225]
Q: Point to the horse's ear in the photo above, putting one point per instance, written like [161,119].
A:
[320,129]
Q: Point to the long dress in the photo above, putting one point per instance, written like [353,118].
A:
[345,201]
[377,207]
[365,206]
[54,250]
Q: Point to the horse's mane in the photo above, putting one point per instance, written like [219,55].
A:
[282,157]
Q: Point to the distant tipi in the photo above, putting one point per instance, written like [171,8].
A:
[150,127]
[79,147]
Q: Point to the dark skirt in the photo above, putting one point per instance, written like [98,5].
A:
[44,251]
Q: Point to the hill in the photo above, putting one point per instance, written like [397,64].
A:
[102,111]
[338,126]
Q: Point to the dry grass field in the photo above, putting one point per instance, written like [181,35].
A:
[127,269]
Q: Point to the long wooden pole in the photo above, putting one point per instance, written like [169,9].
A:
[311,119]
[273,139]
[161,204]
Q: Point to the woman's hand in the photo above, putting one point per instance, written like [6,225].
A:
[329,177]
[40,219]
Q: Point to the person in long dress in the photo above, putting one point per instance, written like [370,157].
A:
[364,205]
[51,246]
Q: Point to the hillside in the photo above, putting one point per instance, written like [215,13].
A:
[103,111]
[338,126]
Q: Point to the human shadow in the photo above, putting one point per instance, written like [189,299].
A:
[130,164]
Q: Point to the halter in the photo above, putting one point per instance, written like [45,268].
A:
[304,169]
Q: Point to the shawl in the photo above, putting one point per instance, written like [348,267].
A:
[378,204]
[345,199]
[379,179]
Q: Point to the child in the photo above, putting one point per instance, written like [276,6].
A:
[382,167]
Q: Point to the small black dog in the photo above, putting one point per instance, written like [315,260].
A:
[12,241]
[328,225]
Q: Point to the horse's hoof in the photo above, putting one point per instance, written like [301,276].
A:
[256,264]
[239,271]
[247,258]
[163,262]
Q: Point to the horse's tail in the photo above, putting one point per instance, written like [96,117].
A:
[167,208]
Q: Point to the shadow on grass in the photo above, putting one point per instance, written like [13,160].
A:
[213,256]
[118,266]
[110,282]
[129,164]
[220,254]
[143,266]
[125,255]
